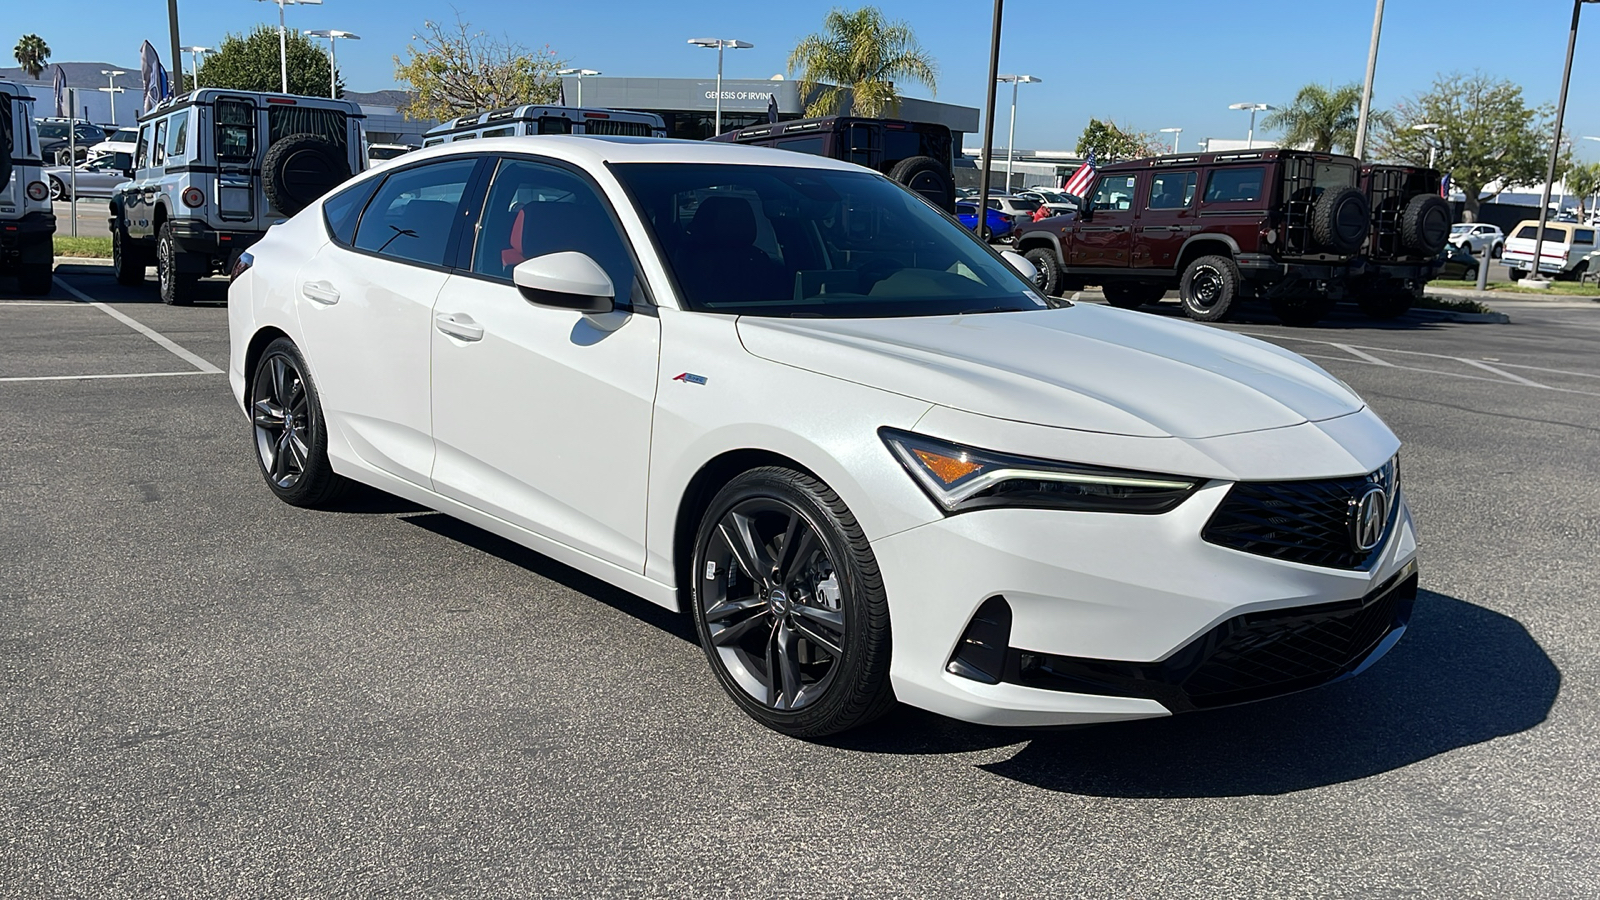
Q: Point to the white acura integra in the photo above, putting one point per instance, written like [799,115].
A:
[790,397]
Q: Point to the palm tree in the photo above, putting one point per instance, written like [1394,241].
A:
[1321,118]
[861,52]
[32,53]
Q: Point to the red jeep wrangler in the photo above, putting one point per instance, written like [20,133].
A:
[1278,225]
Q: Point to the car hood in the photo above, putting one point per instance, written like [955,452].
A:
[1082,367]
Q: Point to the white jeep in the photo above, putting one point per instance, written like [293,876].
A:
[214,169]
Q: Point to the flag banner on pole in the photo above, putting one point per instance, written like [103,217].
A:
[772,108]
[1081,179]
[561,95]
[62,109]
[1444,186]
[154,74]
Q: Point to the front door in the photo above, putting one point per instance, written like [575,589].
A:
[1167,221]
[366,315]
[542,416]
[1106,239]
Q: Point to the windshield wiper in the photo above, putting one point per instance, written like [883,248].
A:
[992,309]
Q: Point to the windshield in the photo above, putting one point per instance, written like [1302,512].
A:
[779,241]
[386,152]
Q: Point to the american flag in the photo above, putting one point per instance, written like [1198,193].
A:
[1081,179]
[1444,186]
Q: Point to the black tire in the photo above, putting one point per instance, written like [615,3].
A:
[1048,279]
[1208,288]
[1515,274]
[58,191]
[1497,250]
[1341,219]
[928,177]
[794,606]
[1132,294]
[272,390]
[1425,223]
[300,168]
[35,279]
[1578,271]
[128,259]
[177,288]
[1387,304]
[1301,310]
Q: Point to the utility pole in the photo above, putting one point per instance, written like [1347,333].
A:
[988,124]
[177,57]
[1366,90]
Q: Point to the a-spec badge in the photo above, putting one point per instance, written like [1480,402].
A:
[689,378]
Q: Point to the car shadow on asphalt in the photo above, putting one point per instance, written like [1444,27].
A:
[669,621]
[1344,317]
[1462,675]
[100,283]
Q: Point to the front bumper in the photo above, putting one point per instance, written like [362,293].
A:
[1132,594]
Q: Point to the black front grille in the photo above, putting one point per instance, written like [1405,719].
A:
[1249,657]
[1299,521]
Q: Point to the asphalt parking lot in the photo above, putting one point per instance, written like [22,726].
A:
[210,693]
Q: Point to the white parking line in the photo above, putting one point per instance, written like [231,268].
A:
[1504,374]
[203,367]
[1363,355]
[99,377]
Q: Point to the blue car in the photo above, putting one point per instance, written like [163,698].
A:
[999,222]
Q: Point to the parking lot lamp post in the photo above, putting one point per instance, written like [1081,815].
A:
[194,63]
[1250,139]
[1011,136]
[333,35]
[1555,145]
[1366,88]
[1175,132]
[581,74]
[113,90]
[1433,143]
[283,37]
[720,44]
[986,161]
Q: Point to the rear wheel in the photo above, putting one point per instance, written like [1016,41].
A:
[1047,277]
[789,605]
[58,191]
[290,433]
[178,288]
[1132,295]
[1208,288]
[1515,274]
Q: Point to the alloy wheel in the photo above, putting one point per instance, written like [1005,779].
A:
[282,417]
[772,603]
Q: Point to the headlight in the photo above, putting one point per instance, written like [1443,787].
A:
[963,478]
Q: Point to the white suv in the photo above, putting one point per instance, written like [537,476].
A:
[1564,254]
[27,222]
[1475,237]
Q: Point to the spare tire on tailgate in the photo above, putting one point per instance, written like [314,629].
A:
[1340,220]
[300,168]
[928,177]
[1425,224]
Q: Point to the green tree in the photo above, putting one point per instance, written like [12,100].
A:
[1321,118]
[1583,179]
[1111,142]
[1488,137]
[458,71]
[249,62]
[862,52]
[32,53]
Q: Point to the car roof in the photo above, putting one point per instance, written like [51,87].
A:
[596,150]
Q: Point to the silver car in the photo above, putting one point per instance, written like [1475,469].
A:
[96,177]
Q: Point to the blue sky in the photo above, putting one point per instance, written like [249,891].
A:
[1145,63]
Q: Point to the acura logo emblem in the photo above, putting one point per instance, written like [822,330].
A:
[1369,516]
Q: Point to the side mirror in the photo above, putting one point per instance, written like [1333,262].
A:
[1020,263]
[1085,209]
[128,174]
[565,280]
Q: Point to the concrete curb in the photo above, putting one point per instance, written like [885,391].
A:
[82,261]
[1460,294]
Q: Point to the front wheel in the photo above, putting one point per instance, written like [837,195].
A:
[290,433]
[1047,269]
[58,191]
[789,605]
[1208,288]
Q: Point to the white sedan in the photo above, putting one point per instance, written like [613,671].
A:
[793,400]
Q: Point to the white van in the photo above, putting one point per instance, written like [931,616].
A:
[1563,255]
[522,120]
[27,221]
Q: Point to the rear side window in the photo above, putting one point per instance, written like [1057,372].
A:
[1236,185]
[1583,236]
[1551,233]
[178,136]
[1171,190]
[814,145]
[411,216]
[342,210]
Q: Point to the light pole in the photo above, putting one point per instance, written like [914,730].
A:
[1174,132]
[720,44]
[113,90]
[1011,136]
[194,63]
[1250,140]
[1555,144]
[1366,89]
[581,74]
[333,35]
[1433,143]
[283,36]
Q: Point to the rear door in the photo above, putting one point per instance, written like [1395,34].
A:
[237,141]
[1167,220]
[1106,239]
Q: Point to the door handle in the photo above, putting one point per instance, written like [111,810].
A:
[459,325]
[320,292]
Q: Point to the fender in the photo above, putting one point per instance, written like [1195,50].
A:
[1217,236]
[1027,239]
